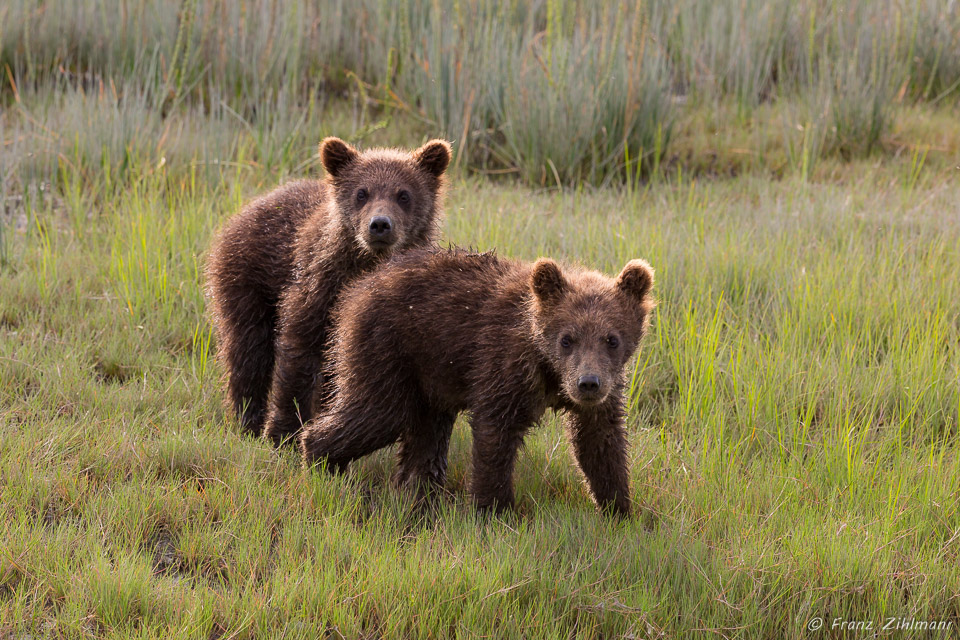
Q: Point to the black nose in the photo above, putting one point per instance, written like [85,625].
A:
[589,384]
[380,226]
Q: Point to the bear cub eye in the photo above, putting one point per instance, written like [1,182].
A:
[566,342]
[403,198]
[362,196]
[613,342]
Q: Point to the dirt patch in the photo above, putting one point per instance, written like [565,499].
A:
[166,562]
[112,372]
[9,320]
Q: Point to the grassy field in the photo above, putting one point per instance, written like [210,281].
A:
[794,414]
[793,428]
[501,77]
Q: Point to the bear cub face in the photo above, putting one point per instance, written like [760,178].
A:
[387,199]
[588,326]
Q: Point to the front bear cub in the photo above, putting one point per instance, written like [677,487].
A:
[431,334]
[277,268]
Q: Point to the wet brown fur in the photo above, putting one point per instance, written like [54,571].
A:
[277,267]
[431,334]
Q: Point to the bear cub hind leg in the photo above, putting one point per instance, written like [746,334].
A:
[422,455]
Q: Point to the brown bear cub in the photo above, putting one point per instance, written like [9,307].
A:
[279,265]
[431,334]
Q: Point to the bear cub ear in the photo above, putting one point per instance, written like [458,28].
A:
[336,155]
[636,279]
[433,157]
[547,281]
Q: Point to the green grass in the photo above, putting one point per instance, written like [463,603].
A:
[793,414]
[789,169]
[501,78]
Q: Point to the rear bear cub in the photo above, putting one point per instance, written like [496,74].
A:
[277,268]
[431,334]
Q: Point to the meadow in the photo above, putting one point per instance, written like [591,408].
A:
[789,169]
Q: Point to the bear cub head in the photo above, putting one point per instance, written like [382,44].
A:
[387,199]
[588,325]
